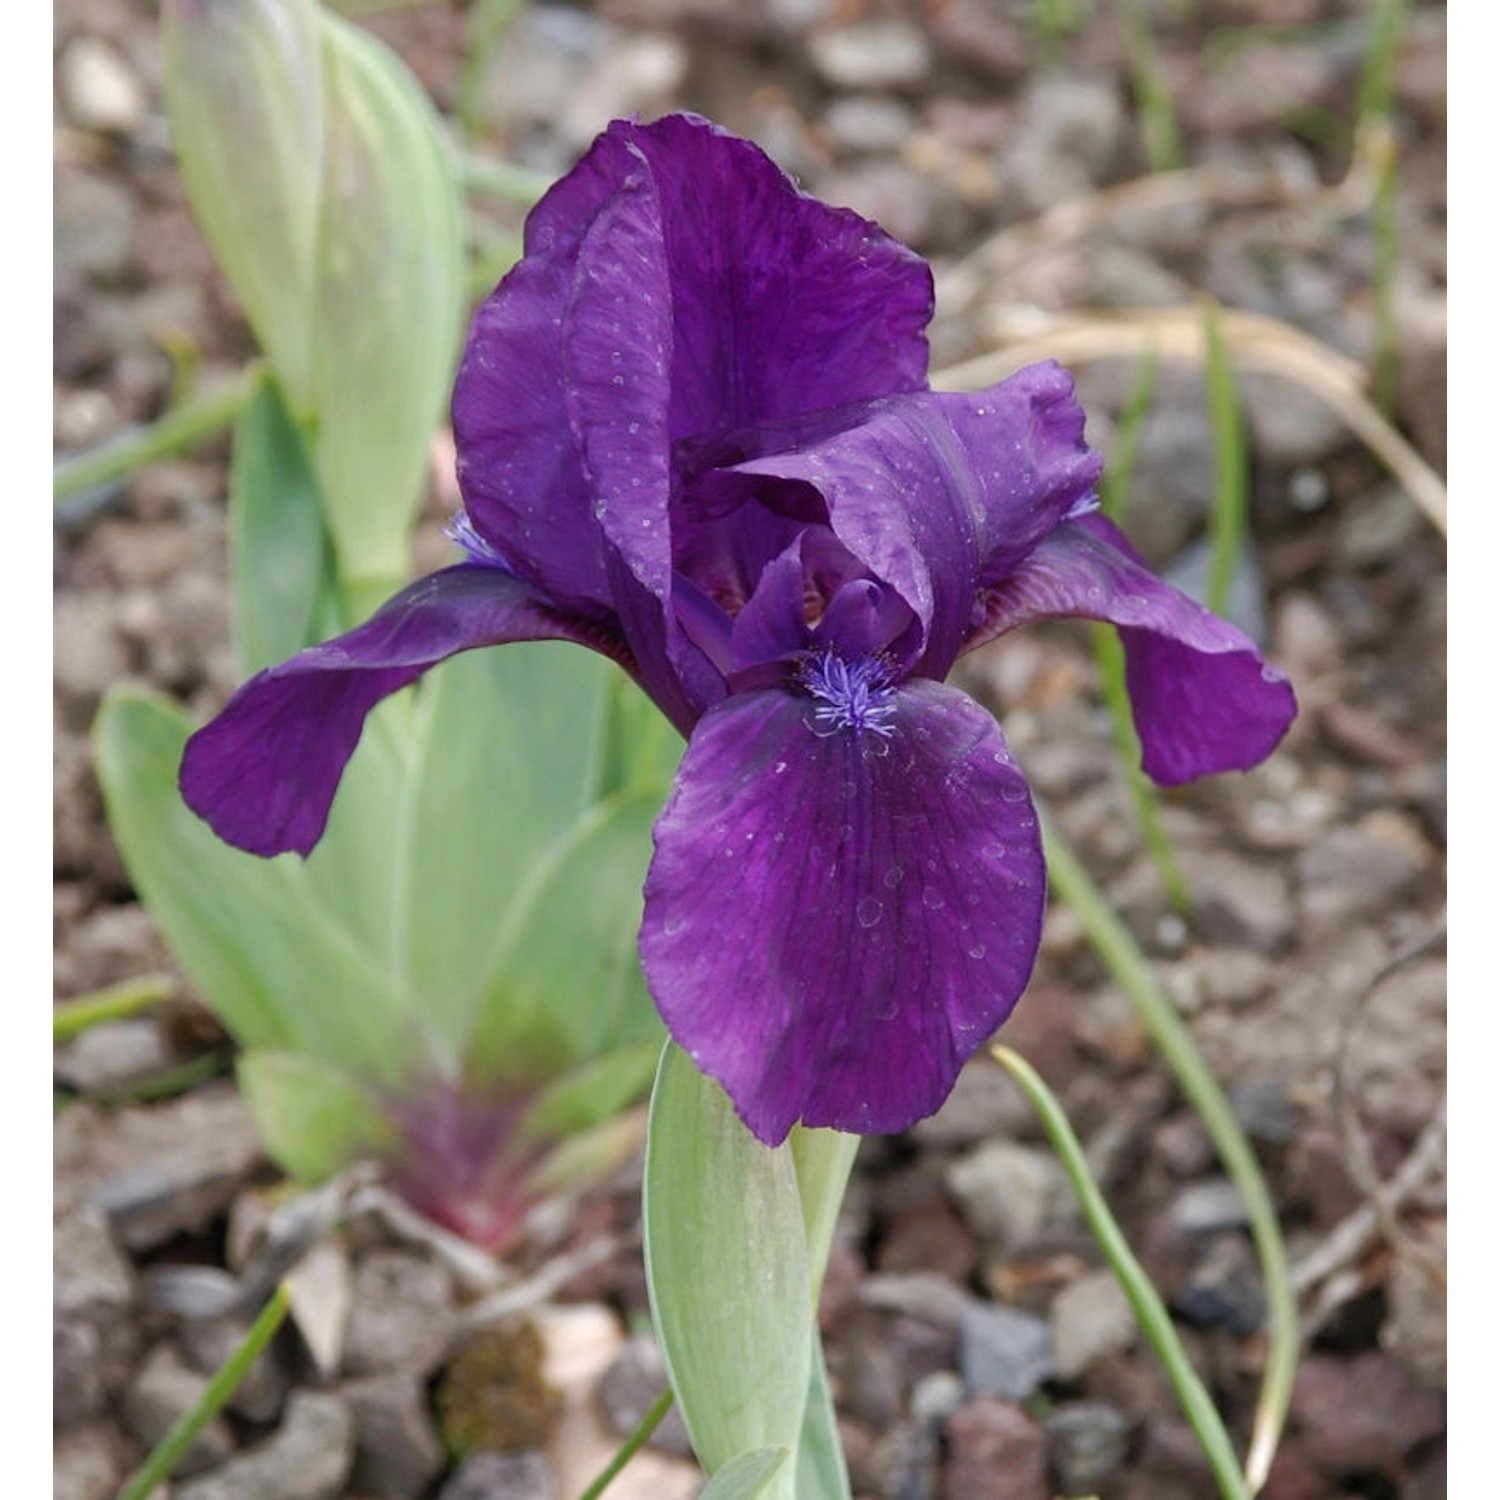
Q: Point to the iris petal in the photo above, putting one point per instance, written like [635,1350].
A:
[836,920]
[1204,700]
[264,772]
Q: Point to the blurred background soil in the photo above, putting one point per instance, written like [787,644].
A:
[977,1349]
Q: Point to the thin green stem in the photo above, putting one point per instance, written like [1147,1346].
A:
[117,1003]
[226,1380]
[1226,521]
[1153,98]
[1127,964]
[184,426]
[489,21]
[631,1446]
[1150,1311]
[1110,655]
[501,179]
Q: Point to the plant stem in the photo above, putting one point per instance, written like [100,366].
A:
[1152,96]
[500,179]
[117,1003]
[1127,964]
[1226,521]
[1150,1312]
[182,427]
[226,1380]
[628,1449]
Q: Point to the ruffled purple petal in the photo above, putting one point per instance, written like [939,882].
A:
[935,493]
[780,303]
[523,482]
[1204,699]
[836,918]
[263,773]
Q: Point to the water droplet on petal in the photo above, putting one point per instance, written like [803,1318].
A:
[893,877]
[977,951]
[1013,791]
[933,899]
[868,911]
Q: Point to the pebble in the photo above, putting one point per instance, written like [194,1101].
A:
[995,1452]
[1223,1290]
[1088,1441]
[1091,1319]
[872,54]
[260,1396]
[94,1301]
[403,1316]
[1065,140]
[1263,1107]
[1239,903]
[94,223]
[502,1476]
[1008,1194]
[1207,1207]
[1003,1351]
[1232,977]
[1416,1329]
[307,1458]
[863,124]
[88,1463]
[1288,428]
[171,1168]
[397,1452]
[112,1056]
[165,1388]
[1362,1413]
[99,89]
[1354,871]
[628,1388]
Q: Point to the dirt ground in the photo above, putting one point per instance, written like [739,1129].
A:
[977,1349]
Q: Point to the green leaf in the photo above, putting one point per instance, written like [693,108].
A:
[747,1476]
[315,1120]
[822,1473]
[824,1159]
[726,1266]
[277,970]
[278,549]
[388,304]
[594,1092]
[244,93]
[566,974]
[500,770]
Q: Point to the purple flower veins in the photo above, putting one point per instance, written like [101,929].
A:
[694,433]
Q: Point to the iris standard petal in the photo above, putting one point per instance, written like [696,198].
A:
[936,492]
[264,772]
[1204,700]
[836,920]
[827,307]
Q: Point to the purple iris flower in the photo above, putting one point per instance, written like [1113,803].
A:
[694,433]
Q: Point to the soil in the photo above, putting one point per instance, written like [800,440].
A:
[976,1348]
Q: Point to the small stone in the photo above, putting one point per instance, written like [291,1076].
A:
[1223,1290]
[1183,1145]
[94,1300]
[1239,903]
[1416,1330]
[1003,1351]
[1091,1318]
[1378,530]
[403,1316]
[868,124]
[1089,1440]
[995,1452]
[172,1168]
[872,55]
[1065,141]
[1009,1194]
[502,1476]
[629,1388]
[99,90]
[1362,1413]
[1262,1106]
[397,1451]
[1207,1207]
[1285,428]
[1351,872]
[111,1057]
[88,1463]
[308,1458]
[93,225]
[1232,977]
[164,1390]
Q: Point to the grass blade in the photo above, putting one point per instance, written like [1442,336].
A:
[226,1381]
[1226,521]
[1152,96]
[1128,967]
[1150,1312]
[631,1446]
[117,1003]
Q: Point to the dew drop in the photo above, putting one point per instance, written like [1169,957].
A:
[893,877]
[933,899]
[868,911]
[780,767]
[1013,791]
[977,951]
[673,925]
[886,1009]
